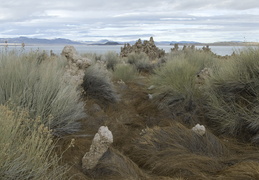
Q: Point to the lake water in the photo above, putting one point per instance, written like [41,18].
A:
[57,49]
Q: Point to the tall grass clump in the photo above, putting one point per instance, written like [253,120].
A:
[233,99]
[97,84]
[125,72]
[27,148]
[93,56]
[176,81]
[178,74]
[40,88]
[112,59]
[141,61]
[115,165]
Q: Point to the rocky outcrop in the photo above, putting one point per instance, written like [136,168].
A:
[100,144]
[147,47]
[76,65]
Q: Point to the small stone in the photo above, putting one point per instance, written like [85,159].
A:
[199,129]
[150,96]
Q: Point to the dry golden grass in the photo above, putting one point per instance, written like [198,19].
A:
[27,148]
[176,150]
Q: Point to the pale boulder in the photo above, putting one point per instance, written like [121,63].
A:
[199,129]
[100,144]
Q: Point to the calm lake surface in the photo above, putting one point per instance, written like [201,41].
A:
[57,49]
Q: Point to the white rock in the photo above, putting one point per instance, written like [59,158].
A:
[151,87]
[199,129]
[100,144]
[106,133]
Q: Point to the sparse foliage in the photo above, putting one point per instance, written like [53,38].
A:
[27,148]
[112,59]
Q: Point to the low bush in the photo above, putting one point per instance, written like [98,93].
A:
[112,59]
[93,56]
[97,84]
[141,61]
[27,148]
[115,165]
[176,86]
[178,74]
[178,151]
[125,72]
[40,88]
[233,95]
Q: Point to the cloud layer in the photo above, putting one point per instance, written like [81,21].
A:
[170,20]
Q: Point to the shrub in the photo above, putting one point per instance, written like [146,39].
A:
[93,56]
[178,74]
[233,94]
[97,84]
[26,148]
[141,61]
[176,150]
[41,89]
[176,86]
[125,72]
[115,165]
[111,58]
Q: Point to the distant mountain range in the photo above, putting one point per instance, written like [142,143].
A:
[26,40]
[61,41]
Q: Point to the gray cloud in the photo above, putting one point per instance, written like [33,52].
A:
[199,20]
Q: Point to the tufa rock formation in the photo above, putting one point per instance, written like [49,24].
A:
[76,64]
[202,76]
[147,47]
[101,142]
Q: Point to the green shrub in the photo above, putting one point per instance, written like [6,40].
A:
[232,95]
[27,148]
[97,84]
[111,58]
[177,77]
[41,89]
[176,88]
[93,56]
[141,61]
[124,72]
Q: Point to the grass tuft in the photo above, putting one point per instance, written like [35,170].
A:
[141,61]
[112,59]
[125,72]
[40,88]
[233,91]
[97,84]
[27,148]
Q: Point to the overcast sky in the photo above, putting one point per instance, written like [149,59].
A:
[123,20]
